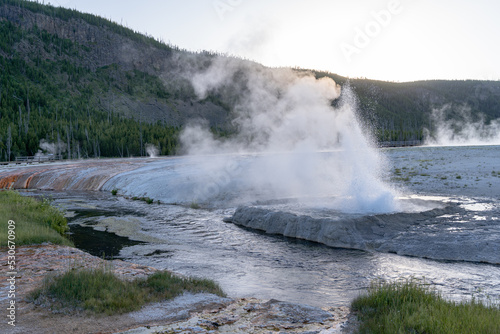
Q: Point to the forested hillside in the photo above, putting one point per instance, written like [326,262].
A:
[72,79]
[93,88]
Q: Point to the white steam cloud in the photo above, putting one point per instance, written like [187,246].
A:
[52,148]
[461,129]
[152,150]
[300,146]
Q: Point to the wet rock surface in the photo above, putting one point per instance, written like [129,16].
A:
[441,233]
[257,316]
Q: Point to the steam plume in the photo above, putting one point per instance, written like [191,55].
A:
[302,146]
[152,150]
[52,148]
[457,127]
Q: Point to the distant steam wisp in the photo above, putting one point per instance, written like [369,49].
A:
[152,150]
[461,129]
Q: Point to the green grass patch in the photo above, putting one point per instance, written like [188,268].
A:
[414,307]
[401,179]
[164,285]
[94,290]
[144,199]
[36,221]
[195,206]
[100,291]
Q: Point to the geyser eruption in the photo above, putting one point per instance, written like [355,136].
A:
[302,147]
[457,127]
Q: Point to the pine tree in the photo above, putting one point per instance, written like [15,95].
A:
[9,142]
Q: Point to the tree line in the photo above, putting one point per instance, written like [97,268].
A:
[59,102]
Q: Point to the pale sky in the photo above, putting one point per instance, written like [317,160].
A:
[395,40]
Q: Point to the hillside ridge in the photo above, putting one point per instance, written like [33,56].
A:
[95,88]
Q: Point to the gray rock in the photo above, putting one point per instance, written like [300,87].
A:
[279,311]
[427,234]
[180,308]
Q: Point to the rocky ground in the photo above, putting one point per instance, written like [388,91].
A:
[201,313]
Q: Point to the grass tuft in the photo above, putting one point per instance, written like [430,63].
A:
[164,285]
[195,206]
[36,220]
[94,290]
[100,291]
[144,199]
[414,307]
